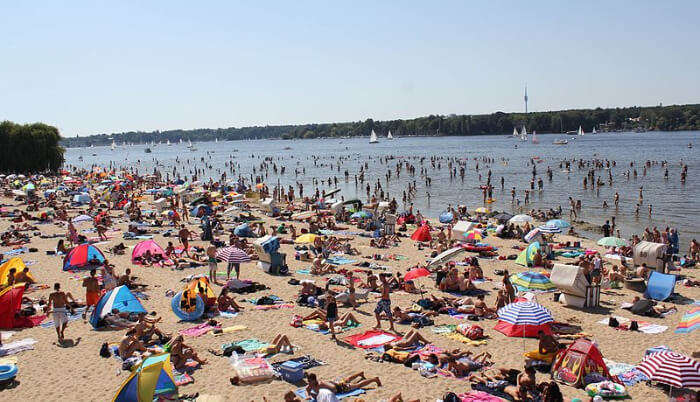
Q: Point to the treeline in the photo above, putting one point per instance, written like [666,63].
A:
[29,148]
[662,118]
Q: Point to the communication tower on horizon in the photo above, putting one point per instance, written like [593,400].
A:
[525,98]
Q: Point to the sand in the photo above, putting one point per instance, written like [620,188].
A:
[76,372]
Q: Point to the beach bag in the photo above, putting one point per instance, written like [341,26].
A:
[296,321]
[104,351]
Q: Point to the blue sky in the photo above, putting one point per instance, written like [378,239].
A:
[112,66]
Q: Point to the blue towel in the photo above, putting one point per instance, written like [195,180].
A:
[301,393]
[339,260]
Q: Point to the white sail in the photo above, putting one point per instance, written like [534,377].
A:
[373,138]
[216,140]
[534,138]
[389,136]
[515,132]
[580,131]
[189,143]
[593,132]
[523,134]
[168,142]
[113,146]
[180,140]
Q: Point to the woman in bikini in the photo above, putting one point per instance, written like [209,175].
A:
[180,353]
[346,385]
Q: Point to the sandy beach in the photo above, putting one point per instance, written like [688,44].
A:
[75,371]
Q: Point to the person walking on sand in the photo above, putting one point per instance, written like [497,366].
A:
[59,301]
[211,259]
[384,304]
[185,236]
[92,292]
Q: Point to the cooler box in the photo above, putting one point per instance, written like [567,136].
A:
[292,371]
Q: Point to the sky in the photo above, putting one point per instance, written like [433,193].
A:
[112,66]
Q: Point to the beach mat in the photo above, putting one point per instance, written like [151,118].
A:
[371,339]
[301,393]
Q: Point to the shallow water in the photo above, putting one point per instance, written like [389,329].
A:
[674,204]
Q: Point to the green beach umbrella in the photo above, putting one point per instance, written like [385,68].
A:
[612,242]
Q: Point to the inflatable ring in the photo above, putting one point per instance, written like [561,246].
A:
[7,372]
[185,315]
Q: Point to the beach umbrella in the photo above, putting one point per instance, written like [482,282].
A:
[415,274]
[525,258]
[521,218]
[82,218]
[672,368]
[482,210]
[690,321]
[474,235]
[612,242]
[447,255]
[549,229]
[531,280]
[560,223]
[533,235]
[503,217]
[306,238]
[524,319]
[232,254]
[361,215]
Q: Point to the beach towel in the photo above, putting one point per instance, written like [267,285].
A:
[16,251]
[248,345]
[478,396]
[461,338]
[371,339]
[227,314]
[182,378]
[443,329]
[306,362]
[337,260]
[198,330]
[301,393]
[644,327]
[17,347]
[228,330]
[304,271]
[274,307]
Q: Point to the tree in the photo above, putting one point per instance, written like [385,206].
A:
[29,148]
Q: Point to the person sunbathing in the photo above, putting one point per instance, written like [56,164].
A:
[348,249]
[346,385]
[371,283]
[180,353]
[482,310]
[411,338]
[461,367]
[130,345]
[547,349]
[501,379]
[281,343]
[23,277]
[320,268]
[341,322]
[146,329]
[226,302]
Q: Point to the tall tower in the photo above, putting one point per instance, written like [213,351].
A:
[525,98]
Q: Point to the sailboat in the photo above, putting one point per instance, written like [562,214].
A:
[190,146]
[580,132]
[389,136]
[216,140]
[373,138]
[168,143]
[534,138]
[515,132]
[594,132]
[180,140]
[113,146]
[523,134]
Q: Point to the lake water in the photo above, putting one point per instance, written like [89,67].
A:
[674,204]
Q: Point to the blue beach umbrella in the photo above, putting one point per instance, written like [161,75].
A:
[560,223]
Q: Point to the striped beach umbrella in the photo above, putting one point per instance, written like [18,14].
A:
[232,254]
[690,321]
[531,280]
[672,368]
[549,228]
[524,319]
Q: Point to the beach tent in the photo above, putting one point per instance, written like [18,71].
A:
[147,245]
[189,304]
[660,286]
[119,298]
[81,257]
[690,321]
[460,228]
[422,234]
[243,230]
[415,274]
[581,358]
[200,210]
[153,377]
[82,198]
[526,256]
[524,319]
[649,253]
[10,304]
[15,263]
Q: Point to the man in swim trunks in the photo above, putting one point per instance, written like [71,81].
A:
[384,304]
[92,292]
[184,235]
[211,259]
[59,301]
